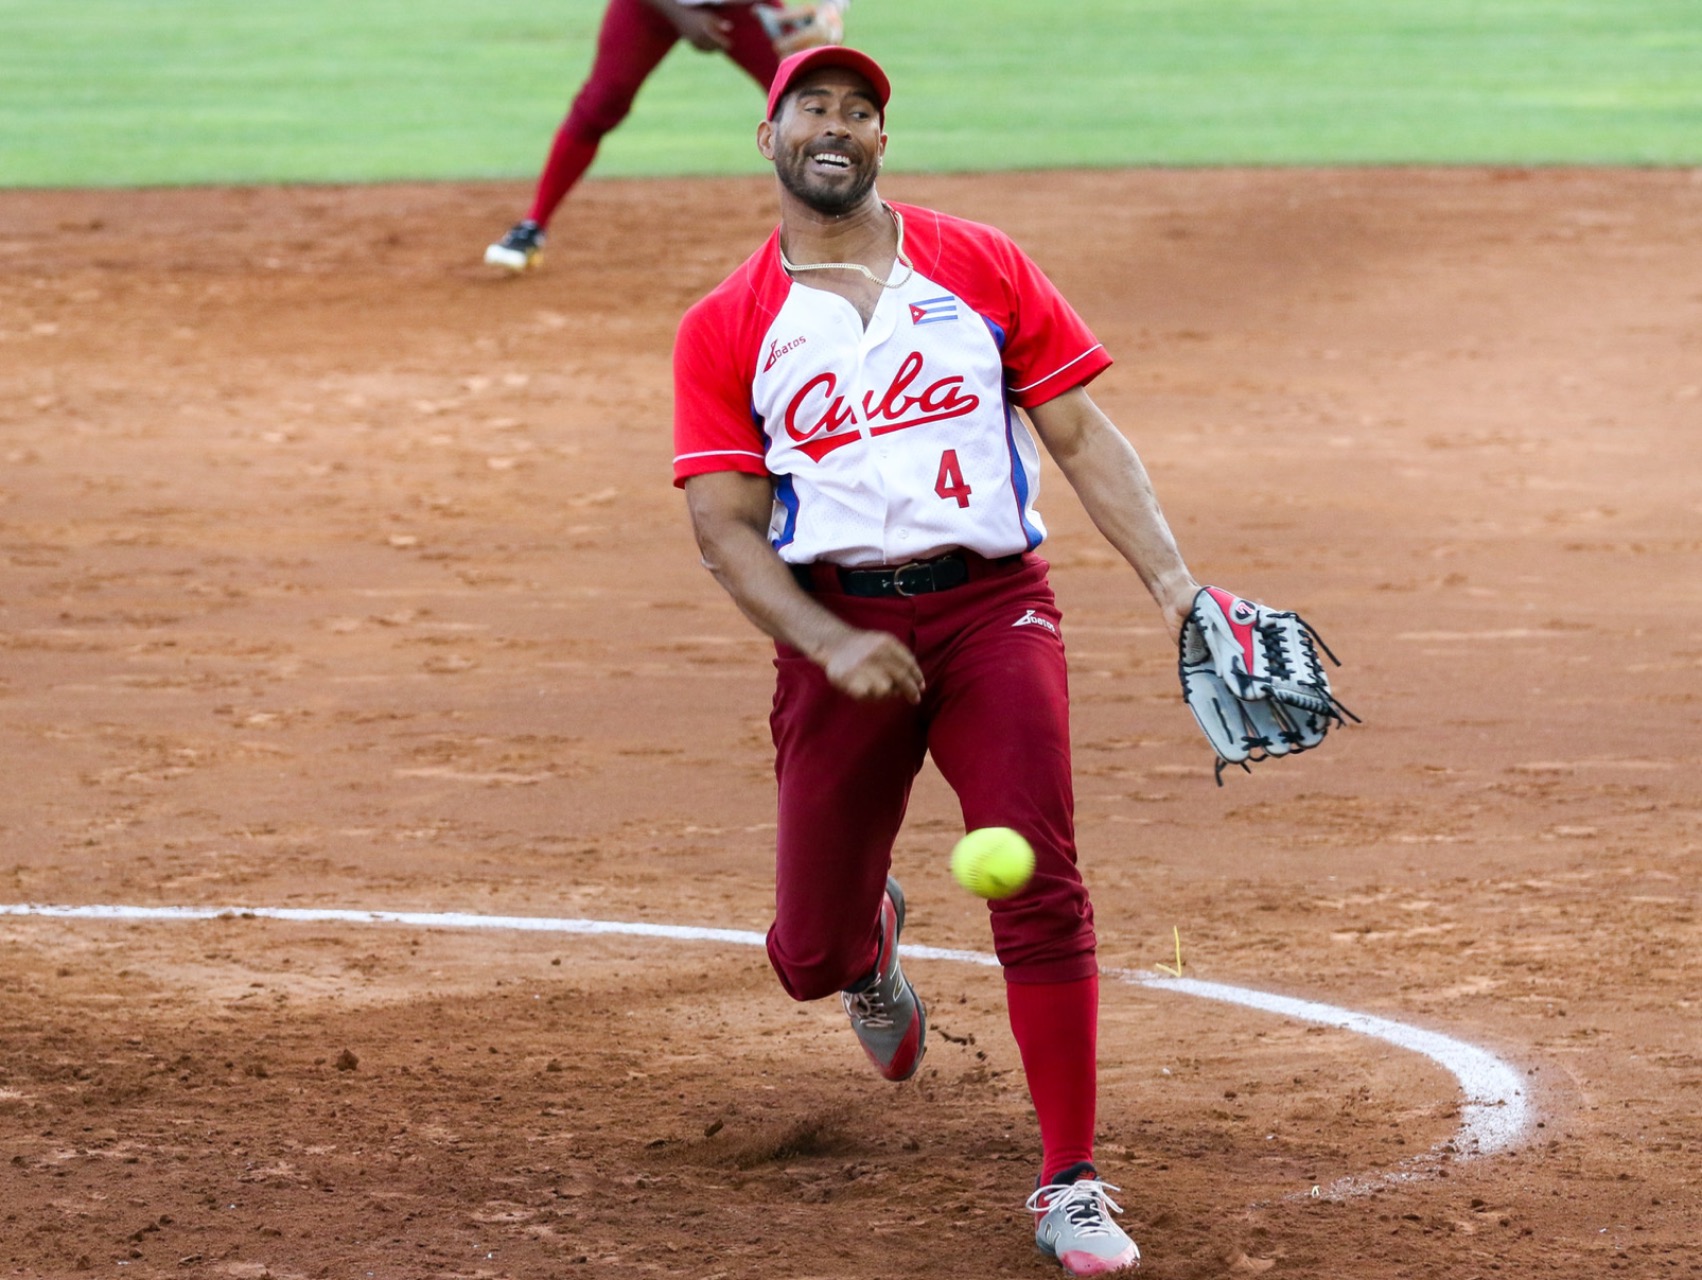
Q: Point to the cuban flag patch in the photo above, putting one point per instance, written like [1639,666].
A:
[933,310]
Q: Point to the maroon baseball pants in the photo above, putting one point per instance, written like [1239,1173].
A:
[995,718]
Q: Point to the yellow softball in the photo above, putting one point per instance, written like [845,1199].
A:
[992,862]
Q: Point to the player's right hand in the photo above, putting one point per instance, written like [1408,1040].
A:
[703,29]
[872,664]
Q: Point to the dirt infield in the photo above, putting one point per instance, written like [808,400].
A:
[339,573]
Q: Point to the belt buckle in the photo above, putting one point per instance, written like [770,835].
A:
[898,578]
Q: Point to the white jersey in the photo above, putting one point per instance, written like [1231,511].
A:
[891,442]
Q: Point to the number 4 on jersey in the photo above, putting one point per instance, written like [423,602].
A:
[950,482]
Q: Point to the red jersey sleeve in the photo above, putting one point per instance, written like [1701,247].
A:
[1047,349]
[714,429]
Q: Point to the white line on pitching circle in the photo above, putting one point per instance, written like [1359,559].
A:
[1496,1113]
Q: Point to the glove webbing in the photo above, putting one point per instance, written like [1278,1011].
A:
[1325,703]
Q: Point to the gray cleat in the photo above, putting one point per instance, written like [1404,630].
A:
[885,1012]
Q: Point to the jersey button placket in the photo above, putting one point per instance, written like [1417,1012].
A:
[882,332]
[878,453]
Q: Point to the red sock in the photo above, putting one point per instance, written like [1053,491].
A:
[1056,1025]
[570,157]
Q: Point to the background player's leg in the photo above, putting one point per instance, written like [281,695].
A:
[633,40]
[1000,735]
[632,43]
[844,770]
[751,49]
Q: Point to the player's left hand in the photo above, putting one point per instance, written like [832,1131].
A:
[1252,678]
[802,26]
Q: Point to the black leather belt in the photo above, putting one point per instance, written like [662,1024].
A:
[918,578]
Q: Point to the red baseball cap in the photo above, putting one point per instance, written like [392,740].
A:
[827,55]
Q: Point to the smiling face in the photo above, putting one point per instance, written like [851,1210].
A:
[826,141]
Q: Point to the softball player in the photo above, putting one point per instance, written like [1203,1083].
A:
[861,482]
[636,35]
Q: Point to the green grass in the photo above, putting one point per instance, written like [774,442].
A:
[133,92]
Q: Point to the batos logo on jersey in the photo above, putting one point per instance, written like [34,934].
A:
[820,421]
[775,350]
[932,310]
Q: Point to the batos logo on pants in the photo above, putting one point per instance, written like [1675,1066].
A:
[1033,619]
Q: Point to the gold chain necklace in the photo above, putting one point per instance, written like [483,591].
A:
[792,268]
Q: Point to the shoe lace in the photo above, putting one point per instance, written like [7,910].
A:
[1083,1202]
[868,1008]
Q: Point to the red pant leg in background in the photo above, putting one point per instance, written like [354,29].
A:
[631,44]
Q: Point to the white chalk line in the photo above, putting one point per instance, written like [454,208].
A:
[1495,1115]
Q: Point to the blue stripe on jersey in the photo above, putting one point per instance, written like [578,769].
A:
[784,493]
[787,497]
[1019,479]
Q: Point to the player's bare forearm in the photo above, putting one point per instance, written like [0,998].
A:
[1112,483]
[729,515]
